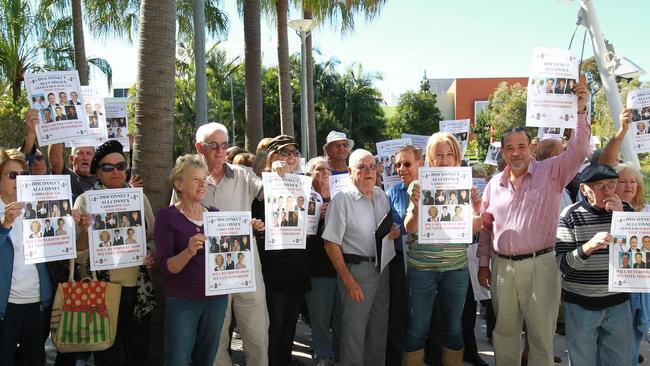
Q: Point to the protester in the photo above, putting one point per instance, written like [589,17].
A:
[26,291]
[35,160]
[337,149]
[408,160]
[519,211]
[323,299]
[598,322]
[192,320]
[350,223]
[436,270]
[136,302]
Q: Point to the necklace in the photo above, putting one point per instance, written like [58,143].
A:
[197,222]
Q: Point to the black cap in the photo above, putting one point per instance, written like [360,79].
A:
[108,147]
[278,142]
[596,172]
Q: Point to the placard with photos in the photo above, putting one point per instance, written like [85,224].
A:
[386,152]
[419,141]
[117,236]
[480,184]
[460,129]
[229,258]
[550,100]
[639,101]
[48,228]
[57,95]
[629,255]
[117,120]
[445,213]
[286,223]
[313,212]
[339,183]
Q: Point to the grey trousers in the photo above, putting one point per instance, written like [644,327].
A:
[365,325]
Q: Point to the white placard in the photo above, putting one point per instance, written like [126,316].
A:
[480,292]
[339,183]
[386,151]
[313,212]
[639,101]
[117,120]
[230,254]
[551,102]
[630,253]
[57,96]
[492,153]
[445,213]
[460,129]
[286,225]
[419,141]
[117,235]
[544,133]
[48,229]
[480,184]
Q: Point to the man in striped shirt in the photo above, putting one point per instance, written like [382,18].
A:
[598,322]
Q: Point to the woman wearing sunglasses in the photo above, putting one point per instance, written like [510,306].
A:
[25,289]
[436,270]
[286,272]
[136,303]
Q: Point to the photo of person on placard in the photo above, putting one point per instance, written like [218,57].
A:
[88,109]
[433,214]
[225,244]
[60,227]
[74,98]
[240,261]
[59,114]
[293,218]
[218,259]
[640,128]
[634,244]
[624,260]
[38,102]
[48,230]
[559,88]
[244,243]
[54,209]
[135,218]
[70,112]
[118,239]
[458,214]
[638,261]
[93,123]
[63,98]
[42,210]
[104,239]
[30,213]
[230,264]
[130,236]
[463,198]
[549,86]
[428,198]
[445,215]
[300,203]
[65,208]
[47,115]
[36,230]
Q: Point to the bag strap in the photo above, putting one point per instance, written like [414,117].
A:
[71,272]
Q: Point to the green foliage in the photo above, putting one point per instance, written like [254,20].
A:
[481,132]
[507,109]
[12,119]
[416,113]
[602,122]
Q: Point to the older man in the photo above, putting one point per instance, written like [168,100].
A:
[350,223]
[337,148]
[233,188]
[519,210]
[598,322]
[408,160]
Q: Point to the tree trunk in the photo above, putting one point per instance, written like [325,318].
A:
[284,75]
[312,149]
[78,38]
[154,120]
[199,63]
[253,69]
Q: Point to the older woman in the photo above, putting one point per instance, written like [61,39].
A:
[130,236]
[25,289]
[192,320]
[60,227]
[439,270]
[136,302]
[286,272]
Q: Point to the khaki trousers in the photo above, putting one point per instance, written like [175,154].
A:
[527,290]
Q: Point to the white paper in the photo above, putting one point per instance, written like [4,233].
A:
[550,101]
[639,101]
[386,152]
[460,129]
[629,274]
[117,235]
[57,95]
[387,253]
[445,213]
[313,212]
[480,292]
[419,141]
[48,229]
[286,224]
[117,120]
[492,153]
[339,183]
[544,133]
[230,253]
[480,184]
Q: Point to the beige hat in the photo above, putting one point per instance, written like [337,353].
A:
[337,136]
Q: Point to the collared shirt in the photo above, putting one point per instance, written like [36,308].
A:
[525,220]
[398,198]
[352,219]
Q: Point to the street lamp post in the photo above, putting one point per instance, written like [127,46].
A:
[303,27]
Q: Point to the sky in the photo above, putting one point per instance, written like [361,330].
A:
[447,39]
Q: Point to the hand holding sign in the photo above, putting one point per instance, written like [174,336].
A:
[12,211]
[196,243]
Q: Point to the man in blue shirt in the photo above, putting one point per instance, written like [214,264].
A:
[407,161]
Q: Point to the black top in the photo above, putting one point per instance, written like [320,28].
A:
[319,262]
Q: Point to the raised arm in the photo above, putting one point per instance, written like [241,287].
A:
[31,119]
[609,155]
[55,157]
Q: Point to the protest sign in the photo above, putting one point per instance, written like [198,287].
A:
[339,183]
[630,252]
[445,213]
[229,258]
[48,229]
[386,152]
[313,212]
[639,101]
[117,120]
[117,236]
[550,101]
[480,292]
[57,95]
[493,153]
[286,221]
[419,141]
[480,184]
[544,133]
[460,129]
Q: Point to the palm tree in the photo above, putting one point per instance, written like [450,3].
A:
[286,106]
[199,62]
[78,39]
[253,73]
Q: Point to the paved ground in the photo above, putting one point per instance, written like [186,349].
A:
[302,342]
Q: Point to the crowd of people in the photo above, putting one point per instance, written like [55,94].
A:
[541,226]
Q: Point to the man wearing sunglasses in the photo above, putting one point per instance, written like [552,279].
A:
[408,160]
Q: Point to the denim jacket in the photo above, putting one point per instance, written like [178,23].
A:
[7,267]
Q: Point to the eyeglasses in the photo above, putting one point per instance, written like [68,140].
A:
[406,164]
[13,175]
[289,152]
[371,166]
[601,186]
[215,146]
[108,167]
[322,169]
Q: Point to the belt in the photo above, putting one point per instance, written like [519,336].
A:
[356,259]
[519,257]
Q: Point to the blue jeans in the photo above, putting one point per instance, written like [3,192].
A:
[192,328]
[598,337]
[325,313]
[423,287]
